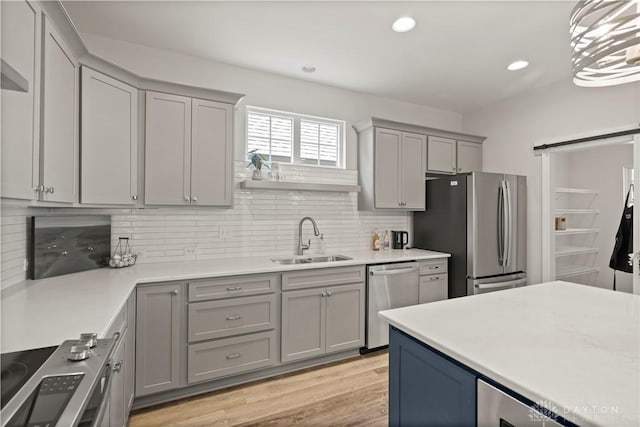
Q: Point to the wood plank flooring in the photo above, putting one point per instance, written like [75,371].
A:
[353,392]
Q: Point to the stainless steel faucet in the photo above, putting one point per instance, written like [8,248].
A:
[301,246]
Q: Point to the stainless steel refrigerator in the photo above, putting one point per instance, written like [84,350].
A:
[480,219]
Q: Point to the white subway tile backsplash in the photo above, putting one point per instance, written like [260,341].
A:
[260,223]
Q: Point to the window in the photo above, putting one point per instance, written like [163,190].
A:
[295,138]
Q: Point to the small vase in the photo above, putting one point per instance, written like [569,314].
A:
[257,175]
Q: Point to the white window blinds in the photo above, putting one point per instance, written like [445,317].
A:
[295,138]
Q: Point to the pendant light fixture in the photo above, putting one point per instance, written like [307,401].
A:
[605,42]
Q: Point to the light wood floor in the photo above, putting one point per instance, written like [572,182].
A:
[348,393]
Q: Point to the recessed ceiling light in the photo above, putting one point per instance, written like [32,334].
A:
[404,24]
[309,69]
[517,65]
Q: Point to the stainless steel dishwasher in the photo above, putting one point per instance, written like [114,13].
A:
[388,286]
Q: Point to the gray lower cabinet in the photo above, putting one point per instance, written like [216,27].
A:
[322,320]
[159,337]
[434,280]
[219,358]
[117,401]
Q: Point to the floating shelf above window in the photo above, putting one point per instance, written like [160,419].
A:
[578,211]
[12,79]
[574,270]
[570,231]
[567,190]
[563,251]
[298,186]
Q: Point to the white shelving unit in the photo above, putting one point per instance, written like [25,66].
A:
[574,250]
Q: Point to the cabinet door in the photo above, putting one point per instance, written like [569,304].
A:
[167,150]
[109,130]
[158,338]
[412,170]
[441,155]
[60,133]
[130,354]
[303,324]
[21,41]
[211,153]
[345,317]
[387,168]
[117,404]
[433,288]
[469,157]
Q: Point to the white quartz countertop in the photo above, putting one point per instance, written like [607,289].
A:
[40,313]
[571,348]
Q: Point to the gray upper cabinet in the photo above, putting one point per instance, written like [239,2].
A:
[59,156]
[441,155]
[189,151]
[211,153]
[167,149]
[21,41]
[392,167]
[109,139]
[469,156]
[452,156]
[159,337]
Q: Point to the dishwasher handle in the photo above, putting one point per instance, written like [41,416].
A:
[393,272]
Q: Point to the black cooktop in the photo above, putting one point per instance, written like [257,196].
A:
[18,367]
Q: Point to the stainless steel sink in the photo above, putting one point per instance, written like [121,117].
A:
[310,259]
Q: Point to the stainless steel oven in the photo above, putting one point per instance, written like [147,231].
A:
[70,388]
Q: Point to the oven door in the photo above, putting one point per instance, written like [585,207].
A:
[96,413]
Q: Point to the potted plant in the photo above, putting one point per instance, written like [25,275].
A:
[257,160]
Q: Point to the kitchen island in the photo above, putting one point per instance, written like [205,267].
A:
[570,351]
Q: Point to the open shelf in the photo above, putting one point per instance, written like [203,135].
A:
[571,231]
[568,190]
[12,79]
[578,211]
[575,250]
[298,186]
[574,270]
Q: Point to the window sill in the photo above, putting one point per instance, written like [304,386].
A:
[298,186]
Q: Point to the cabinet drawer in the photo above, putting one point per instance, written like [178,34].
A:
[322,277]
[217,319]
[219,358]
[233,286]
[434,288]
[433,266]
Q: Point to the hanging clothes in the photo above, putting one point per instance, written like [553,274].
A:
[622,256]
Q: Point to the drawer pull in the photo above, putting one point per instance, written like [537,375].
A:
[434,267]
[234,289]
[435,278]
[236,317]
[234,356]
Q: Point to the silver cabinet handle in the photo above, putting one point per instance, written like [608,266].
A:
[51,189]
[393,272]
[65,253]
[324,294]
[118,366]
[434,267]
[134,197]
[194,199]
[328,294]
[234,289]
[174,292]
[38,189]
[434,278]
[236,317]
[186,198]
[234,356]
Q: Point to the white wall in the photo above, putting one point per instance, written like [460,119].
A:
[268,90]
[557,112]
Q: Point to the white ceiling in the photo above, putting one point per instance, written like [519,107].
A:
[454,59]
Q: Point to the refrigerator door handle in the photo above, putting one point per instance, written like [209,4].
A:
[509,225]
[509,284]
[500,228]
